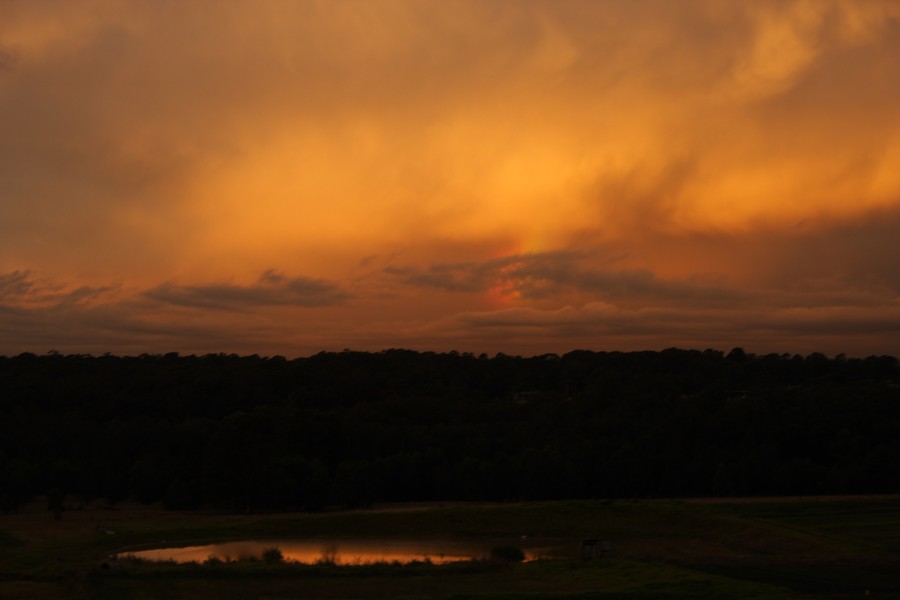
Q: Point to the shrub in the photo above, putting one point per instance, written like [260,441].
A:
[329,556]
[272,555]
[507,554]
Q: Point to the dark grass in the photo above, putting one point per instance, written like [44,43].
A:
[10,541]
[663,548]
[869,524]
[817,579]
[561,579]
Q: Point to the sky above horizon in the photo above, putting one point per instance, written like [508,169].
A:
[284,177]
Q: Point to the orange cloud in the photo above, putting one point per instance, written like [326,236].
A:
[410,164]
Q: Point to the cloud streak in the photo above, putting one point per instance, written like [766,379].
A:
[547,275]
[272,289]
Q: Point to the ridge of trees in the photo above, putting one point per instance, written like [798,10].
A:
[353,428]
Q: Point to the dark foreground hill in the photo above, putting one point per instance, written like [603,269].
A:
[352,428]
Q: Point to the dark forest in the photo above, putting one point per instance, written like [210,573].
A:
[350,429]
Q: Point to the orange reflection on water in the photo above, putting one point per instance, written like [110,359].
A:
[339,552]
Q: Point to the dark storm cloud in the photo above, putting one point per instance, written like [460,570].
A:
[481,276]
[39,314]
[120,326]
[825,289]
[15,285]
[460,277]
[552,274]
[272,289]
[22,288]
[859,254]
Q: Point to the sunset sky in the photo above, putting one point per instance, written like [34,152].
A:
[285,177]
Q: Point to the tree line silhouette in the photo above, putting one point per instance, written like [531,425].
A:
[353,428]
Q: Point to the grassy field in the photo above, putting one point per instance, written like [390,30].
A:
[754,548]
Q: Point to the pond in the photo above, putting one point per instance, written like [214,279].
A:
[338,551]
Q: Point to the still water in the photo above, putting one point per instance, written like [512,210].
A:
[341,552]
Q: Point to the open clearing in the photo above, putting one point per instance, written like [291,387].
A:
[758,548]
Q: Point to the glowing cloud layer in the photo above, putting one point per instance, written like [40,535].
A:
[285,177]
